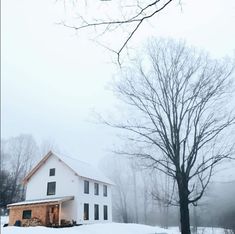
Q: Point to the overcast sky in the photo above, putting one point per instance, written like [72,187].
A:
[53,78]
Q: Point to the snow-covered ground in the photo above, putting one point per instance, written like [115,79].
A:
[205,230]
[108,228]
[3,220]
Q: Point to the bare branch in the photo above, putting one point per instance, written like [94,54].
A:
[134,21]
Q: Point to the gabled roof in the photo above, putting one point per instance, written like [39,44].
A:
[80,168]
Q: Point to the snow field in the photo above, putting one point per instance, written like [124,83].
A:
[108,228]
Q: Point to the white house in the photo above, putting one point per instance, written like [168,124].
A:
[62,189]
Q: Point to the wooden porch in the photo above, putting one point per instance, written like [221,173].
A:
[47,211]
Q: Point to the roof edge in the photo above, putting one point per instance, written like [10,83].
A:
[40,163]
[42,201]
[45,158]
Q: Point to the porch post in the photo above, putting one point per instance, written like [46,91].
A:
[60,213]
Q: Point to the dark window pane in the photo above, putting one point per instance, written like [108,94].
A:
[105,190]
[51,187]
[86,211]
[105,212]
[52,172]
[26,214]
[96,212]
[86,186]
[96,189]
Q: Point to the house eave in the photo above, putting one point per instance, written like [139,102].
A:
[47,201]
[46,157]
[31,173]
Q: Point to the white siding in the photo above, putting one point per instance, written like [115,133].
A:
[92,199]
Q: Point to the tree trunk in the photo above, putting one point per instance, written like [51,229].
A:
[135,196]
[184,216]
[184,209]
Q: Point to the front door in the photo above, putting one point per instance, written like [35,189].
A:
[52,215]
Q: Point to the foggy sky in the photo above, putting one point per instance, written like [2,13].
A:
[53,78]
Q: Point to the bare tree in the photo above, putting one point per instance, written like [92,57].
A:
[145,196]
[22,153]
[134,169]
[163,192]
[125,16]
[130,193]
[148,199]
[118,171]
[180,117]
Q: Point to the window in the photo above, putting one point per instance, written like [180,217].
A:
[96,189]
[52,172]
[86,211]
[96,208]
[51,186]
[26,214]
[86,186]
[105,191]
[105,212]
